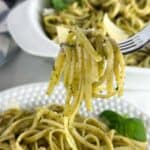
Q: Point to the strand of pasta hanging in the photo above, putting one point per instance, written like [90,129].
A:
[91,66]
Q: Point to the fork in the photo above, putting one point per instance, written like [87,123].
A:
[136,42]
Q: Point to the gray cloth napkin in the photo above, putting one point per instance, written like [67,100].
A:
[8,48]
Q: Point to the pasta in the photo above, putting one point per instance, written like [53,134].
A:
[89,68]
[129,16]
[44,129]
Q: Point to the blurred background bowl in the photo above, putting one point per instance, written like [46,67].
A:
[24,24]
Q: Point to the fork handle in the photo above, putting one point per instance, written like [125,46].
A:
[145,33]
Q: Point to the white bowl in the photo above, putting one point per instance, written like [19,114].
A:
[25,27]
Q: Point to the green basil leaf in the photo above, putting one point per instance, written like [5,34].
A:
[59,4]
[134,129]
[62,4]
[129,127]
[111,118]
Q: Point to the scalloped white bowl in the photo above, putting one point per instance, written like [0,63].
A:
[33,95]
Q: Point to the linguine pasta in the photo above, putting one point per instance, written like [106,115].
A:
[91,65]
[45,129]
[89,69]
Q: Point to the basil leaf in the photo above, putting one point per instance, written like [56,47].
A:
[69,1]
[62,4]
[134,128]
[129,127]
[111,118]
[59,4]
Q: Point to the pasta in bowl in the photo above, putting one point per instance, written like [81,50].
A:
[118,19]
[29,100]
[120,23]
[45,129]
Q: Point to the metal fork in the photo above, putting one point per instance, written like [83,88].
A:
[136,42]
